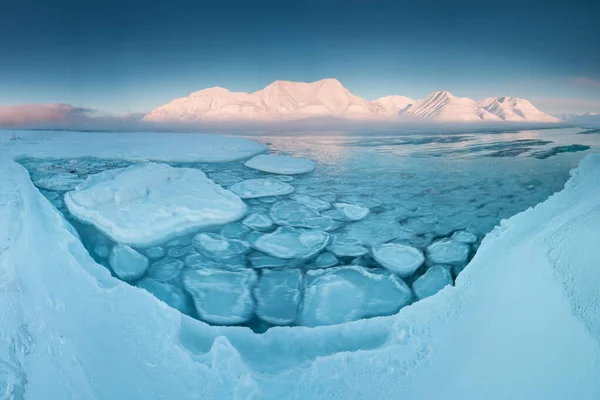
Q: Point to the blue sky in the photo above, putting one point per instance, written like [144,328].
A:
[131,56]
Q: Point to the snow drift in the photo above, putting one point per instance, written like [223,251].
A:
[521,323]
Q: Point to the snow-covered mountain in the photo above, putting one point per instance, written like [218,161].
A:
[286,100]
[279,100]
[393,105]
[514,109]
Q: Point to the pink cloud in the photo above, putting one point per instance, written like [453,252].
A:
[31,114]
[589,82]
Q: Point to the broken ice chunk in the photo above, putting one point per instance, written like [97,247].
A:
[464,237]
[310,201]
[260,260]
[63,181]
[258,222]
[343,245]
[127,263]
[219,246]
[165,270]
[278,164]
[342,294]
[278,295]
[352,212]
[291,213]
[326,260]
[254,188]
[145,204]
[288,243]
[155,252]
[434,280]
[399,259]
[221,296]
[170,294]
[448,251]
[376,229]
[235,230]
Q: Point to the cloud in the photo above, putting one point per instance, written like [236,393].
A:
[556,105]
[588,82]
[61,116]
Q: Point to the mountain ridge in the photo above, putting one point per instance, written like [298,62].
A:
[289,100]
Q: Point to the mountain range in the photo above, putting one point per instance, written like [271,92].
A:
[287,100]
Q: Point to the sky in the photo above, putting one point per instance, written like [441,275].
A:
[131,56]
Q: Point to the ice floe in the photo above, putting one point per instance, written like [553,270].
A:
[353,212]
[291,213]
[165,270]
[287,242]
[221,296]
[278,164]
[145,204]
[342,294]
[258,222]
[447,251]
[278,294]
[399,259]
[219,246]
[255,188]
[434,280]
[310,201]
[127,263]
[62,181]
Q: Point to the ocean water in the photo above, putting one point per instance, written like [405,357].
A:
[419,189]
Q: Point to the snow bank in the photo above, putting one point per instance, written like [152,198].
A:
[149,203]
[521,323]
[183,147]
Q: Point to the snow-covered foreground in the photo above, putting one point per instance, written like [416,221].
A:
[520,323]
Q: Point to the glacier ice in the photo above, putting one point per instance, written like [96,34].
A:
[447,251]
[278,294]
[342,294]
[145,204]
[221,296]
[432,281]
[127,263]
[279,164]
[255,188]
[291,243]
[399,259]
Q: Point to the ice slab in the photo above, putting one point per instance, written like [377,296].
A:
[260,260]
[434,280]
[344,245]
[448,251]
[289,243]
[258,222]
[219,246]
[342,294]
[326,260]
[221,296]
[278,295]
[145,204]
[168,293]
[284,165]
[127,263]
[62,181]
[255,188]
[291,213]
[464,237]
[165,270]
[399,259]
[353,212]
[310,201]
[376,229]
